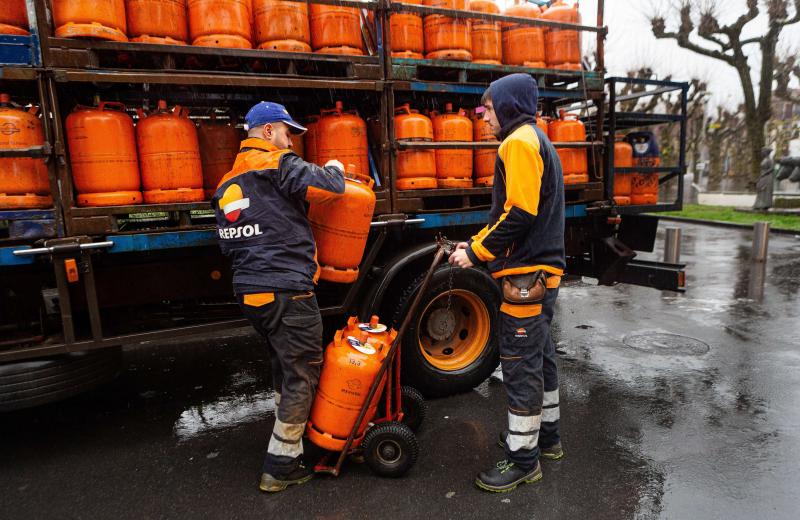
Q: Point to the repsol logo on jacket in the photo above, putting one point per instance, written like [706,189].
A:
[233,203]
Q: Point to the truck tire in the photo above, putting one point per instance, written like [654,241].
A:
[32,383]
[448,351]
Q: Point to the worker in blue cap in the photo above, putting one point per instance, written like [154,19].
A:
[261,207]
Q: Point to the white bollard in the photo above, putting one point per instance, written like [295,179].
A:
[672,245]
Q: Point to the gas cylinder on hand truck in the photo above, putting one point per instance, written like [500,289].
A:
[341,227]
[23,180]
[157,21]
[282,26]
[219,145]
[101,19]
[102,155]
[523,44]
[646,154]
[169,155]
[221,23]
[447,38]
[14,18]
[453,167]
[416,169]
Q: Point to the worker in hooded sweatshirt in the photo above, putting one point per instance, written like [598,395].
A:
[523,247]
[261,207]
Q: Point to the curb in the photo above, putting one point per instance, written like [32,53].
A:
[719,223]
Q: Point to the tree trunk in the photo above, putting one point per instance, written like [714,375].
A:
[715,162]
[756,140]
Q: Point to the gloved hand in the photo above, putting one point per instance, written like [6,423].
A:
[334,162]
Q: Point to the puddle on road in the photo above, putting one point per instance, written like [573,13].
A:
[666,344]
[226,412]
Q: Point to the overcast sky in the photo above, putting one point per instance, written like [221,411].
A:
[631,44]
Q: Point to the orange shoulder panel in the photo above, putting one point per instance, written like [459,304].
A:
[254,160]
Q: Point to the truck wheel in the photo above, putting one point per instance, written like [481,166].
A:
[414,408]
[450,349]
[390,449]
[32,383]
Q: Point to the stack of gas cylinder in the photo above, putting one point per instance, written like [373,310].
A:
[23,181]
[14,18]
[241,24]
[157,161]
[484,41]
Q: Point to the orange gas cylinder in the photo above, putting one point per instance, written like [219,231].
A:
[453,167]
[102,19]
[486,44]
[646,154]
[447,38]
[523,44]
[336,30]
[341,227]
[310,140]
[342,135]
[416,169]
[14,18]
[157,21]
[352,361]
[169,156]
[297,144]
[623,158]
[23,181]
[102,155]
[282,26]
[568,129]
[219,145]
[221,23]
[484,157]
[405,30]
[544,125]
[562,46]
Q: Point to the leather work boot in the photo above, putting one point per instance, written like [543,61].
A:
[298,475]
[554,452]
[506,476]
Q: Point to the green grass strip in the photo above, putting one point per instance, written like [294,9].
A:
[727,214]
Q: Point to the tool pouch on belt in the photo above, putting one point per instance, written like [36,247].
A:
[524,288]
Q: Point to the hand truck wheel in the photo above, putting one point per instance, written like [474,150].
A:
[390,449]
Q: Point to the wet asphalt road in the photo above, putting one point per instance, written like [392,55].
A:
[673,406]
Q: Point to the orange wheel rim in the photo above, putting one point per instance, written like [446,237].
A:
[452,339]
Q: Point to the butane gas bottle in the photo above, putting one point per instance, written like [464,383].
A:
[101,19]
[484,157]
[486,44]
[157,21]
[169,156]
[23,181]
[416,169]
[352,361]
[221,23]
[623,158]
[336,30]
[282,26]
[342,135]
[406,34]
[297,145]
[453,167]
[523,44]
[568,128]
[219,145]
[102,155]
[563,46]
[14,18]
[646,154]
[447,38]
[341,227]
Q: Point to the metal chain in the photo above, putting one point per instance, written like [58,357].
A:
[449,247]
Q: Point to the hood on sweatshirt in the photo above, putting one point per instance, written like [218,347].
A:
[514,98]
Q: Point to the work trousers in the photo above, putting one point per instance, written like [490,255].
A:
[291,324]
[530,376]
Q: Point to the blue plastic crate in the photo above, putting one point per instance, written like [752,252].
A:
[20,50]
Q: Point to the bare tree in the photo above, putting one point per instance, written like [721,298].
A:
[725,43]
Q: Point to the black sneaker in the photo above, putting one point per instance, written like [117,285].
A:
[506,476]
[554,452]
[273,484]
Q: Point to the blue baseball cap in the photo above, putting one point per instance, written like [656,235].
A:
[268,112]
